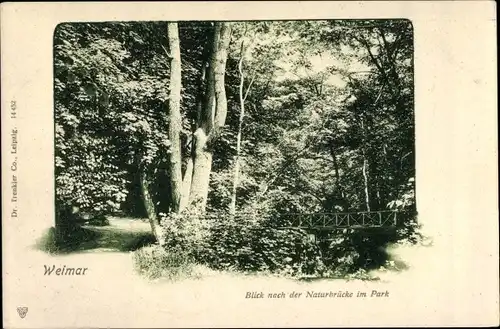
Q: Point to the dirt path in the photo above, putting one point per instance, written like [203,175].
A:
[129,224]
[122,234]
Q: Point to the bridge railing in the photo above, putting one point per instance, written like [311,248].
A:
[326,221]
[366,219]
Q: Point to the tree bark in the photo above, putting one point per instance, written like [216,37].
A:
[335,166]
[150,207]
[186,184]
[365,165]
[232,206]
[174,116]
[188,173]
[365,178]
[202,166]
[375,176]
[211,119]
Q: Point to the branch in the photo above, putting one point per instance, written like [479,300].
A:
[166,52]
[407,154]
[320,157]
[289,161]
[374,60]
[386,44]
[345,73]
[379,94]
[392,55]
[396,47]
[249,86]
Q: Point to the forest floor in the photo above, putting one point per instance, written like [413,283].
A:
[121,235]
[124,235]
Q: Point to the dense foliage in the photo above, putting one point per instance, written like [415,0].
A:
[328,127]
[108,88]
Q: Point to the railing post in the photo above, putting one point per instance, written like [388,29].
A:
[379,218]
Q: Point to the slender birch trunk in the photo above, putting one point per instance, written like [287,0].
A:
[365,177]
[365,165]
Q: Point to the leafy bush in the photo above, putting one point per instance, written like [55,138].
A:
[186,232]
[409,230]
[107,122]
[255,242]
[156,262]
[249,243]
[339,254]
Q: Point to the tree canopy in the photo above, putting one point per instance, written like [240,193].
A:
[154,118]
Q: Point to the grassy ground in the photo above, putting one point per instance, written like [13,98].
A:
[127,235]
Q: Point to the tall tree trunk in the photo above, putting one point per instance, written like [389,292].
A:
[232,206]
[380,204]
[365,178]
[188,173]
[335,166]
[365,166]
[202,166]
[339,188]
[174,127]
[150,206]
[186,184]
[212,118]
[373,169]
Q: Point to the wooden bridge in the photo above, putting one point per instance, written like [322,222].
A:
[331,221]
[353,220]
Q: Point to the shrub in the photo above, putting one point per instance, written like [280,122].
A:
[256,242]
[156,262]
[186,232]
[250,243]
[339,253]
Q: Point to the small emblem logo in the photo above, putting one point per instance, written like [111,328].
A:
[22,311]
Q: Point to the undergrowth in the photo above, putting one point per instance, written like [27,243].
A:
[155,262]
[252,244]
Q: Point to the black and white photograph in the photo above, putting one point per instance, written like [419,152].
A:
[213,165]
[281,147]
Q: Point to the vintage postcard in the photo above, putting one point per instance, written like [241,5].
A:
[249,164]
